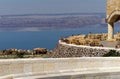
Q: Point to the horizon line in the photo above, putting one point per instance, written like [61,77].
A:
[28,14]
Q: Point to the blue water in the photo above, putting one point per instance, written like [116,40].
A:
[47,39]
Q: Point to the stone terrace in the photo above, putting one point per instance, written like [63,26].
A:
[99,40]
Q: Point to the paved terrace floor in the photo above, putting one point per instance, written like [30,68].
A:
[109,44]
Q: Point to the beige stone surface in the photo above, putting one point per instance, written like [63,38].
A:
[49,66]
[112,5]
[42,66]
[27,67]
[112,14]
[38,67]
[15,68]
[4,69]
[110,31]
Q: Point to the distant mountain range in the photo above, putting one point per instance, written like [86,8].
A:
[36,22]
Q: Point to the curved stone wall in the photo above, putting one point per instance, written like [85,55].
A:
[69,50]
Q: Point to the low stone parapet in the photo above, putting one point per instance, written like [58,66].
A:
[44,67]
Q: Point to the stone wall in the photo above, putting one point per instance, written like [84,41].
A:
[43,68]
[63,50]
[112,5]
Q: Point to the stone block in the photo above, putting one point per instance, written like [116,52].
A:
[48,66]
[4,69]
[27,68]
[16,68]
[38,67]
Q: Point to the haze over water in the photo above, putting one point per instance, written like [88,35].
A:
[10,7]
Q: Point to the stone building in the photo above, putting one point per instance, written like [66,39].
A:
[112,16]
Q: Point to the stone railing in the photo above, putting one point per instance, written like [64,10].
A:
[109,48]
[46,67]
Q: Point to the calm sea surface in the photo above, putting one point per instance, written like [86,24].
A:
[47,39]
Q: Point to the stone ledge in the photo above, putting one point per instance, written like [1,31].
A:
[59,66]
[63,43]
[63,73]
[73,74]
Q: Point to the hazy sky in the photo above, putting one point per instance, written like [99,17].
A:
[51,6]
